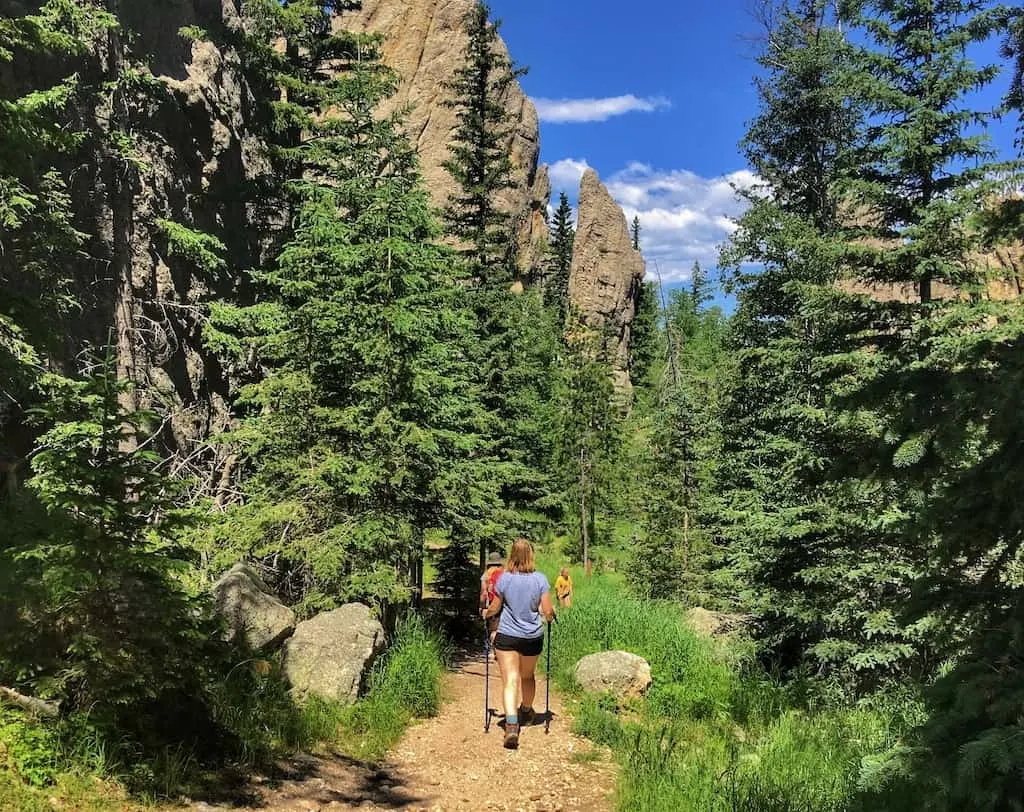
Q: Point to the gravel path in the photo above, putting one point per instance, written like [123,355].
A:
[448,763]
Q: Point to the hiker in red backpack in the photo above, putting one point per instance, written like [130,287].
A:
[488,583]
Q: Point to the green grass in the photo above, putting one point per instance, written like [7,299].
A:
[713,734]
[79,791]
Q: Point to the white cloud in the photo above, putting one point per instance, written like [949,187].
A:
[576,111]
[684,217]
[566,175]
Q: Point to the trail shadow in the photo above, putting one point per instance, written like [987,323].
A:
[335,778]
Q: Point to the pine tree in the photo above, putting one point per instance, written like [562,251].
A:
[480,162]
[112,632]
[563,234]
[515,345]
[636,233]
[365,430]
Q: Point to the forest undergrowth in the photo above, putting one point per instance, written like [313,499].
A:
[716,732]
[70,765]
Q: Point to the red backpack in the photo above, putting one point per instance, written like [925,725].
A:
[491,582]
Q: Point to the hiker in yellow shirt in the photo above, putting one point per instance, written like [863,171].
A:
[563,588]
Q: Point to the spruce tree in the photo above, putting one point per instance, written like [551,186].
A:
[364,430]
[645,334]
[104,625]
[935,381]
[800,534]
[37,231]
[515,345]
[587,439]
[563,233]
[673,557]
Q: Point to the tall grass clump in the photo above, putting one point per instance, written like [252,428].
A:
[715,733]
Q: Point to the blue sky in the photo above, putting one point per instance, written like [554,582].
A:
[667,84]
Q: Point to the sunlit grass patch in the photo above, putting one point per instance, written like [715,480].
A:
[714,733]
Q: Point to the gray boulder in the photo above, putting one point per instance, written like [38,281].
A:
[251,609]
[713,624]
[623,674]
[330,654]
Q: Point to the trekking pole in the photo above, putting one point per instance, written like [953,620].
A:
[547,687]
[487,678]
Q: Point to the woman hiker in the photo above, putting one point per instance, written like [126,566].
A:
[523,598]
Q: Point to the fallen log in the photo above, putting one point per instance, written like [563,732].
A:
[39,707]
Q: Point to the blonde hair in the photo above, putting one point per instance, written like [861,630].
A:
[520,558]
[565,572]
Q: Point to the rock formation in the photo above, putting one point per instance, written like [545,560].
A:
[191,150]
[331,654]
[606,274]
[196,158]
[423,43]
[251,610]
[623,674]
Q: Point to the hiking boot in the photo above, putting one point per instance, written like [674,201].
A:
[526,716]
[512,736]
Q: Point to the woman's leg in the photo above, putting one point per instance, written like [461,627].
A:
[527,668]
[508,662]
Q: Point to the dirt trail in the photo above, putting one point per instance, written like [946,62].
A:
[448,763]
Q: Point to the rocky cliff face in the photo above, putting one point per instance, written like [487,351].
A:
[190,155]
[606,274]
[424,42]
[1004,268]
[195,157]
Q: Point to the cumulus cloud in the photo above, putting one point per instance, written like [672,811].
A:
[684,217]
[566,174]
[578,111]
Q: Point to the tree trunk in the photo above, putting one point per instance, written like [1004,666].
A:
[583,512]
[30,703]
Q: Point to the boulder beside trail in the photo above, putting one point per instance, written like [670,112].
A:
[713,624]
[330,654]
[623,674]
[251,609]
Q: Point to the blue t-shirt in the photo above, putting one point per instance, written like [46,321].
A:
[520,596]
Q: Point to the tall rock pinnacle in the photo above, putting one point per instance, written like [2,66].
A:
[606,274]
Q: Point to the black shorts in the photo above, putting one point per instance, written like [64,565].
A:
[527,646]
